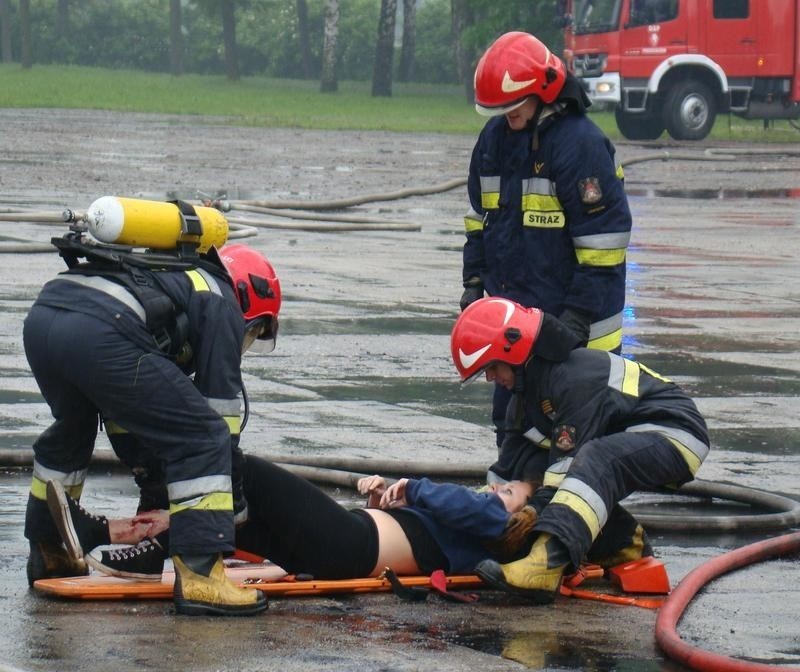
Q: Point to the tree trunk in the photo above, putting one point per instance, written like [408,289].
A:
[175,38]
[229,39]
[330,82]
[62,19]
[303,38]
[5,31]
[406,71]
[384,50]
[461,19]
[25,30]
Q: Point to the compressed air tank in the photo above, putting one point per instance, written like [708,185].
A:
[155,225]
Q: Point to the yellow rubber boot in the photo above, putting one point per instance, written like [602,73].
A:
[536,576]
[199,590]
[638,548]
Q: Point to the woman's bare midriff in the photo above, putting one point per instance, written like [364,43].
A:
[394,551]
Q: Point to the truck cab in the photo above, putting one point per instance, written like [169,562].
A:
[674,64]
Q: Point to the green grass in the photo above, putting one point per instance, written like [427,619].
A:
[258,101]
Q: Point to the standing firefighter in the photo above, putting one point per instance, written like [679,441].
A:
[116,339]
[549,223]
[610,426]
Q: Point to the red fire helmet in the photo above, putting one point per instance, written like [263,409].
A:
[493,330]
[515,66]
[258,291]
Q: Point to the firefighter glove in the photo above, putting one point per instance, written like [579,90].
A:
[578,323]
[473,290]
[514,540]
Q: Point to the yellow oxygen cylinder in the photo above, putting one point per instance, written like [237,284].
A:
[152,224]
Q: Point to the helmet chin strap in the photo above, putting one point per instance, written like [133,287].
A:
[534,124]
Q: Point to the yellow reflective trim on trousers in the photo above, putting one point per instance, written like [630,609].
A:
[692,461]
[581,508]
[234,423]
[630,379]
[551,479]
[113,428]
[608,342]
[590,257]
[199,283]
[215,501]
[654,374]
[490,200]
[39,489]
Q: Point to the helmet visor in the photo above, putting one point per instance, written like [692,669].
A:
[260,335]
[502,109]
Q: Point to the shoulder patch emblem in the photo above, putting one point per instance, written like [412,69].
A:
[565,437]
[589,190]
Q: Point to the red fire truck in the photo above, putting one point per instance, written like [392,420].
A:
[674,64]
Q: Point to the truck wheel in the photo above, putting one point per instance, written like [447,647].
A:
[690,111]
[644,126]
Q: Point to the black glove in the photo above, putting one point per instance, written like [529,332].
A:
[473,290]
[578,323]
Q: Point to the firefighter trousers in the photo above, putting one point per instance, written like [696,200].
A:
[87,369]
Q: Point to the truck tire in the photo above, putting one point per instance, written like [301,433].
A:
[643,126]
[690,110]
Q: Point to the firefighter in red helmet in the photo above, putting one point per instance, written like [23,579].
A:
[152,349]
[605,426]
[548,224]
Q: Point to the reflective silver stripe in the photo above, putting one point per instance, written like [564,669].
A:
[603,241]
[616,372]
[225,406]
[554,475]
[68,478]
[588,495]
[490,183]
[605,326]
[536,436]
[108,287]
[197,488]
[692,443]
[213,285]
[538,185]
[560,467]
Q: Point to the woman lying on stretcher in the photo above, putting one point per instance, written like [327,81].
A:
[414,526]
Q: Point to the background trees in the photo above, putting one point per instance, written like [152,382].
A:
[427,41]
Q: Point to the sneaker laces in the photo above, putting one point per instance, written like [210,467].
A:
[129,552]
[75,507]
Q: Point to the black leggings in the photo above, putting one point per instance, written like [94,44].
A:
[298,527]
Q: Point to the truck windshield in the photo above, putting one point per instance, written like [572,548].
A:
[596,16]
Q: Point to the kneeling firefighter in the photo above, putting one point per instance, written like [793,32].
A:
[151,343]
[610,426]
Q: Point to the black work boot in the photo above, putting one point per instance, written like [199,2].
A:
[50,560]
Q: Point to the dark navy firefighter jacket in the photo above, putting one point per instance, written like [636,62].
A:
[548,227]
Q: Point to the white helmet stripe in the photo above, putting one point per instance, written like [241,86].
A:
[509,309]
[468,360]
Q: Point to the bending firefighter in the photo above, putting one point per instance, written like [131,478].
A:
[548,224]
[606,426]
[153,349]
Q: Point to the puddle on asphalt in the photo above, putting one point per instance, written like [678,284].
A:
[713,194]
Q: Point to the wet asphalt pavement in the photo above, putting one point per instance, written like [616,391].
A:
[362,371]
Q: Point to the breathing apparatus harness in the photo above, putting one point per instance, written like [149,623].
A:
[137,271]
